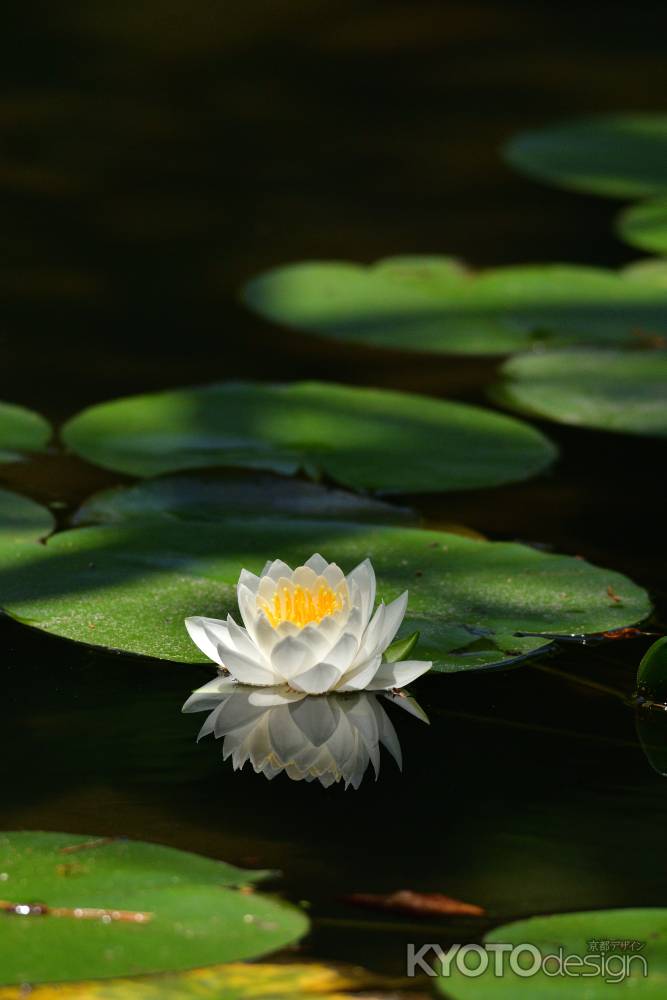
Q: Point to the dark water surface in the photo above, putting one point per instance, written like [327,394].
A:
[152,157]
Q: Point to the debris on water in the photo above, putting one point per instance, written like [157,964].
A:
[420,904]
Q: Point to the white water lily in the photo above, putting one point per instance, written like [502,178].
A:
[327,738]
[310,628]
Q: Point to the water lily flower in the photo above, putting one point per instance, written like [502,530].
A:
[312,628]
[328,738]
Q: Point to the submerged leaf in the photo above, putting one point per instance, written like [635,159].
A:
[652,673]
[417,904]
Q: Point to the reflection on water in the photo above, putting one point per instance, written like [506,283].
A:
[328,738]
[651,722]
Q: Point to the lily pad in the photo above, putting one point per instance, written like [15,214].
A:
[163,909]
[430,304]
[606,390]
[368,439]
[619,156]
[645,225]
[206,497]
[129,586]
[21,430]
[577,934]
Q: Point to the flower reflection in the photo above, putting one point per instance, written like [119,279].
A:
[328,738]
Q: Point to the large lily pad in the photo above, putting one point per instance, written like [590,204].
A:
[364,438]
[607,390]
[193,916]
[579,934]
[21,430]
[431,304]
[645,225]
[129,586]
[620,156]
[206,497]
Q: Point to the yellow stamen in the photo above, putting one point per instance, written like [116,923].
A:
[301,606]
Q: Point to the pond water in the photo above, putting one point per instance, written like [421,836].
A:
[154,156]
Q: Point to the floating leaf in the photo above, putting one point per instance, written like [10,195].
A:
[129,586]
[619,156]
[580,935]
[364,438]
[400,649]
[606,390]
[652,673]
[159,909]
[645,225]
[205,497]
[430,305]
[21,430]
[651,269]
[234,981]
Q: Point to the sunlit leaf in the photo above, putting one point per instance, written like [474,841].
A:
[608,390]
[21,430]
[161,909]
[428,304]
[22,521]
[129,586]
[363,438]
[583,935]
[620,156]
[645,225]
[400,649]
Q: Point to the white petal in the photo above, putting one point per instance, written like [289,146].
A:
[249,580]
[201,637]
[319,679]
[266,697]
[290,657]
[316,640]
[361,676]
[277,569]
[370,642]
[247,607]
[405,701]
[391,675]
[217,688]
[363,578]
[387,733]
[245,669]
[266,636]
[333,575]
[343,653]
[393,616]
[304,576]
[242,641]
[286,737]
[316,563]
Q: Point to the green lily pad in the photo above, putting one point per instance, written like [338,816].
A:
[619,156]
[21,430]
[207,497]
[652,673]
[650,269]
[577,934]
[645,225]
[431,304]
[607,390]
[193,915]
[129,586]
[368,439]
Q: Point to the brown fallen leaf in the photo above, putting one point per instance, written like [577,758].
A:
[611,593]
[418,904]
[625,633]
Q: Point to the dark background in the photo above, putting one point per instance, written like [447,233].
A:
[155,154]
